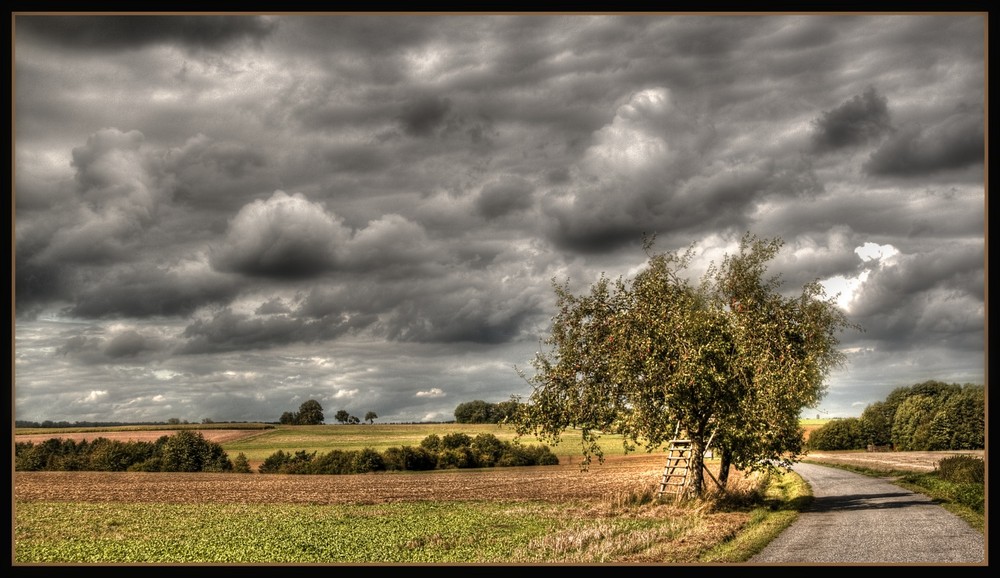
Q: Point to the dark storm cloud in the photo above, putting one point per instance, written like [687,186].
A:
[230,331]
[95,348]
[421,116]
[148,290]
[137,31]
[862,119]
[286,236]
[131,344]
[208,173]
[504,196]
[37,282]
[953,143]
[472,316]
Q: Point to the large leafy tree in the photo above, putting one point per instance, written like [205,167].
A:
[729,359]
[784,347]
[310,413]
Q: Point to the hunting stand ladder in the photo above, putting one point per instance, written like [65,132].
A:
[677,470]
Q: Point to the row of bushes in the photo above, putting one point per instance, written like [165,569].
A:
[184,451]
[189,451]
[927,416]
[455,450]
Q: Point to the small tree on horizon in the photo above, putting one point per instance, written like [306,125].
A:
[370,417]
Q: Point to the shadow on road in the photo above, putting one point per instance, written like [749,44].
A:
[866,501]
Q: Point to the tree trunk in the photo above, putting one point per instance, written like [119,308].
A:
[697,465]
[725,461]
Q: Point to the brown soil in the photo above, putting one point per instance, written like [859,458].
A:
[616,478]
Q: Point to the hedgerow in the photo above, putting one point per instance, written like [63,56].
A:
[184,451]
[456,450]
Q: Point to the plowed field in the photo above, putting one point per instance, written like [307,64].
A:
[616,477]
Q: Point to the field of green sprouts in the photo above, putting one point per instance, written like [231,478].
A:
[423,532]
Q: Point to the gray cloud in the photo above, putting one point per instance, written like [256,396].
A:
[284,236]
[861,120]
[147,290]
[953,143]
[229,331]
[131,344]
[422,115]
[225,216]
[506,195]
[137,31]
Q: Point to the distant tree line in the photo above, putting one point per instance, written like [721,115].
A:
[65,424]
[311,413]
[454,450]
[480,411]
[184,451]
[927,416]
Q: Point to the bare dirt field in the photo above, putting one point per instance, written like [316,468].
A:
[617,477]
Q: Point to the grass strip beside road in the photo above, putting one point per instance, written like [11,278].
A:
[785,495]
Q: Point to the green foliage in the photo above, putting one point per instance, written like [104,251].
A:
[876,423]
[453,450]
[368,460]
[954,485]
[927,416]
[310,413]
[455,440]
[839,434]
[962,469]
[241,465]
[273,463]
[185,451]
[334,462]
[730,359]
[488,532]
[479,411]
[488,449]
[911,427]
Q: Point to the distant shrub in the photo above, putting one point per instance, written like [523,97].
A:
[185,451]
[241,465]
[418,459]
[455,441]
[368,460]
[274,463]
[455,450]
[962,469]
[839,434]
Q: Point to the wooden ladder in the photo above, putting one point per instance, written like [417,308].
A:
[675,473]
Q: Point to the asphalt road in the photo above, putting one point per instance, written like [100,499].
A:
[860,519]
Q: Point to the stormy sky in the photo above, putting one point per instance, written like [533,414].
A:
[221,217]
